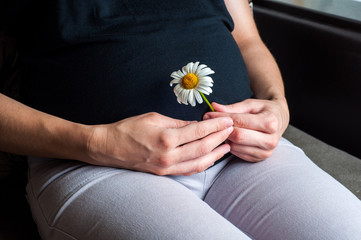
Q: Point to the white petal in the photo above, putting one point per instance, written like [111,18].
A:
[195,66]
[191,99]
[177,89]
[180,96]
[184,98]
[205,90]
[180,73]
[205,72]
[177,80]
[198,96]
[185,70]
[205,79]
[205,84]
[176,74]
[190,67]
[200,67]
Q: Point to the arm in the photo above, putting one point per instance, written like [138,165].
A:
[26,131]
[264,74]
[149,142]
[259,123]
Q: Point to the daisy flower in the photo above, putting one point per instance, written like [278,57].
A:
[192,83]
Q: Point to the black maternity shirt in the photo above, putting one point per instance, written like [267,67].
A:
[99,61]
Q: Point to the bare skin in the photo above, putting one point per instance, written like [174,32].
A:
[258,123]
[150,142]
[158,144]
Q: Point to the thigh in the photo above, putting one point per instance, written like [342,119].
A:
[71,200]
[285,197]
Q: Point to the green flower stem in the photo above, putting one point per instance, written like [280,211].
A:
[205,99]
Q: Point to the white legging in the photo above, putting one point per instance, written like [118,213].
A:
[284,197]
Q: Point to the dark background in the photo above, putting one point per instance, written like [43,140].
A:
[320,59]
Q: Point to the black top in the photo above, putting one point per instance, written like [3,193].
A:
[99,61]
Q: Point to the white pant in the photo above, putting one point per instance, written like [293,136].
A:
[284,197]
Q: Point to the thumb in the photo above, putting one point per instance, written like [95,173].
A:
[239,107]
[232,108]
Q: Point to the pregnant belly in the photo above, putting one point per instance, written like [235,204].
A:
[103,82]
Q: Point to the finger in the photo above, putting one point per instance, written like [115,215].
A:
[200,147]
[199,164]
[259,122]
[253,138]
[195,131]
[210,115]
[246,106]
[250,153]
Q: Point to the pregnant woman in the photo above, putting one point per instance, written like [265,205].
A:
[114,152]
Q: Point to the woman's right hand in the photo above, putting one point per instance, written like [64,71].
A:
[160,145]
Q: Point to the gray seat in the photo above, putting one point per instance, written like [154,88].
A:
[339,164]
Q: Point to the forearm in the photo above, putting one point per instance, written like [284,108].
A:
[26,131]
[265,77]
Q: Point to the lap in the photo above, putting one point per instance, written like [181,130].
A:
[71,200]
[285,197]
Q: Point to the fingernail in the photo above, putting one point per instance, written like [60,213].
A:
[229,122]
[230,129]
[206,117]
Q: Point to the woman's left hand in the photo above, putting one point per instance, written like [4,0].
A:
[258,126]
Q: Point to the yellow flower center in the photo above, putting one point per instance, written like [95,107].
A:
[190,81]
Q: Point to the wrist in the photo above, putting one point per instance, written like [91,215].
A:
[69,139]
[81,150]
[274,94]
[95,143]
[282,102]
